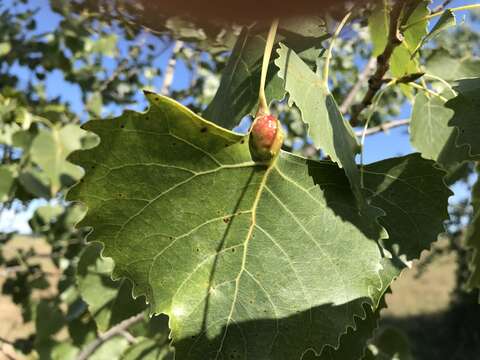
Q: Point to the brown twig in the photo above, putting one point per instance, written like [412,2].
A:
[395,38]
[5,341]
[118,329]
[362,77]
[442,6]
[384,127]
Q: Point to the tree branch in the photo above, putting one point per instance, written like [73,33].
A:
[362,77]
[384,127]
[170,69]
[442,6]
[376,81]
[5,341]
[118,329]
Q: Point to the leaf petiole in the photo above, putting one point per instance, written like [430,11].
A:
[447,85]
[427,90]
[328,57]
[263,107]
[376,100]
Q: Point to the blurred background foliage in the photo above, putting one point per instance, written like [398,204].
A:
[95,61]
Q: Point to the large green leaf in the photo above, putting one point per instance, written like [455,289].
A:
[466,107]
[206,235]
[109,302]
[326,125]
[431,134]
[473,236]
[205,231]
[237,95]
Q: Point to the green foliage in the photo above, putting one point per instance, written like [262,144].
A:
[50,148]
[253,221]
[236,259]
[7,176]
[228,272]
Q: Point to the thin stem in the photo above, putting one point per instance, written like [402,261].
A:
[326,65]
[427,90]
[458,8]
[44,121]
[376,81]
[375,102]
[447,85]
[442,5]
[439,13]
[262,98]
[118,329]
[383,127]
[362,78]
[423,84]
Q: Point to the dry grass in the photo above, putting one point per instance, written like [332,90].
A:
[12,326]
[423,293]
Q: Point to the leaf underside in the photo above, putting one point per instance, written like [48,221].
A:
[248,261]
[326,125]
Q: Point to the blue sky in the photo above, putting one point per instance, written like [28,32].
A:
[377,147]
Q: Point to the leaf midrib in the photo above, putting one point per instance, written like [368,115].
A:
[256,201]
